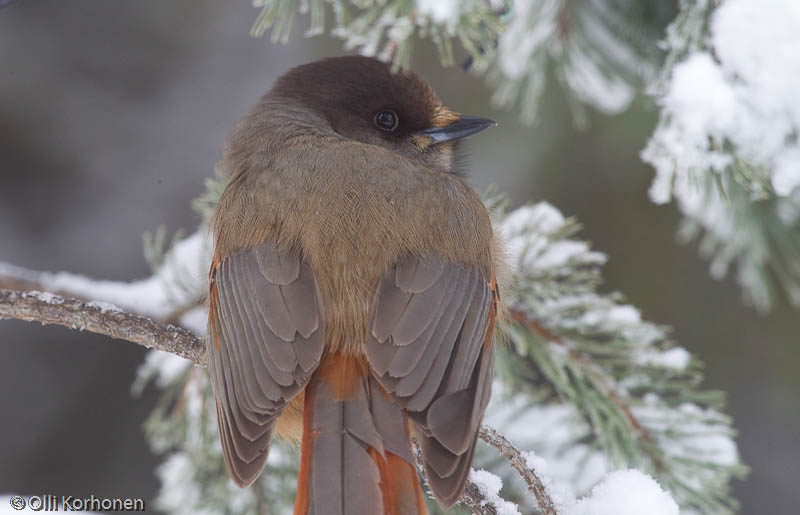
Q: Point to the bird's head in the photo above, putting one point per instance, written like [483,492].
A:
[360,98]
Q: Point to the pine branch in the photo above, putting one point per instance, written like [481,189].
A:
[521,318]
[101,318]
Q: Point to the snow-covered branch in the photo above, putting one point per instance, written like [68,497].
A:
[101,318]
[726,147]
[519,462]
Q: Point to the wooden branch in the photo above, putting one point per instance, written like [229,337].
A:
[101,318]
[515,458]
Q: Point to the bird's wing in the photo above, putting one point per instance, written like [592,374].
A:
[429,346]
[265,341]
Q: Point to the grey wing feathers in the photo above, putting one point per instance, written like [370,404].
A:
[425,345]
[266,340]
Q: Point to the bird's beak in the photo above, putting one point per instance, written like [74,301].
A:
[459,129]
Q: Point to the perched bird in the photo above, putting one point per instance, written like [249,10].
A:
[352,292]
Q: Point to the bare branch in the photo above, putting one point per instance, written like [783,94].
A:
[515,458]
[102,319]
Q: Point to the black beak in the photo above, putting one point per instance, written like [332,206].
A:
[459,129]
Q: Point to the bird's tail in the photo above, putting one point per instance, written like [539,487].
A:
[356,456]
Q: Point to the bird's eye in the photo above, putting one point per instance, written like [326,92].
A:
[386,120]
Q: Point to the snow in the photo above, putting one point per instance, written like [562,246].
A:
[625,492]
[195,320]
[735,102]
[164,367]
[608,92]
[178,487]
[525,35]
[177,282]
[676,358]
[613,317]
[745,95]
[527,232]
[559,253]
[444,12]
[532,40]
[567,469]
[542,215]
[43,296]
[104,307]
[489,486]
[701,435]
[547,434]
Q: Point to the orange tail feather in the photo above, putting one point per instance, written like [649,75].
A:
[345,466]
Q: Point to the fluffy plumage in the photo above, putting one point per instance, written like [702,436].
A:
[352,265]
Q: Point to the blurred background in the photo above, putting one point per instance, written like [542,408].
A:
[113,113]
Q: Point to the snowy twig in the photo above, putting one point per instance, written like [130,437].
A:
[515,458]
[475,500]
[472,496]
[101,318]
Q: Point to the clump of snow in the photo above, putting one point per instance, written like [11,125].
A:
[702,436]
[43,296]
[180,280]
[443,12]
[701,107]
[559,253]
[103,306]
[526,34]
[558,492]
[565,466]
[542,215]
[489,486]
[676,358]
[613,317]
[532,39]
[530,236]
[744,95]
[625,492]
[195,320]
[735,102]
[164,367]
[585,74]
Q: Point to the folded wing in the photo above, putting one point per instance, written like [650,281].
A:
[428,345]
[265,340]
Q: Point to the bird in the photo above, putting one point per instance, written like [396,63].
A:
[353,289]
